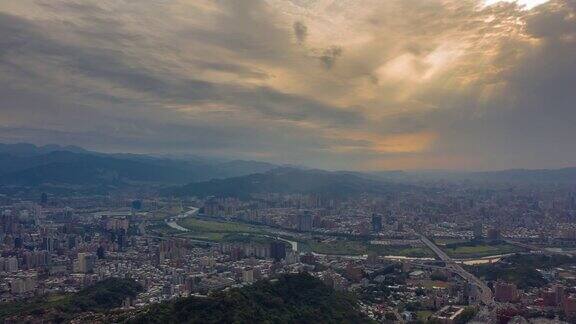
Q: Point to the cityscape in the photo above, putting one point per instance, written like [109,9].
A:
[288,161]
[418,254]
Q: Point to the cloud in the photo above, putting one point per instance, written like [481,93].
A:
[300,31]
[330,55]
[336,84]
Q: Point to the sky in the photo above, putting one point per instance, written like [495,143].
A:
[334,84]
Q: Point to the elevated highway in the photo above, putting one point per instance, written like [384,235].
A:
[485,292]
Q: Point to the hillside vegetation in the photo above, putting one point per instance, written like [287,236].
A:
[101,297]
[291,299]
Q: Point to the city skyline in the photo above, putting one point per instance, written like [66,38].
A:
[459,85]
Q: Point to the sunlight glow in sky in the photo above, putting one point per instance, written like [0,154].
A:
[528,3]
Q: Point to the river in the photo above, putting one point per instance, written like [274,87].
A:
[171,221]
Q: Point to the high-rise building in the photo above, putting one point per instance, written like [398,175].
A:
[569,307]
[477,230]
[493,234]
[505,292]
[86,262]
[376,223]
[560,294]
[549,298]
[305,221]
[48,243]
[9,264]
[22,285]
[277,250]
[211,208]
[248,275]
[101,252]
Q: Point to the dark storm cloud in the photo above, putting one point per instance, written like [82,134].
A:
[300,31]
[330,55]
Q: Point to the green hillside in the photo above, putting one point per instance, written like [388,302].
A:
[101,297]
[291,299]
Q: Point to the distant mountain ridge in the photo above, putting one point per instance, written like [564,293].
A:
[510,176]
[30,165]
[27,149]
[564,175]
[288,180]
[26,164]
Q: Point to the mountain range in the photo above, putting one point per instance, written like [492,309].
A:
[510,176]
[30,165]
[290,180]
[54,165]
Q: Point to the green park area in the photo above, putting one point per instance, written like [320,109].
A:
[478,249]
[215,230]
[357,247]
[337,247]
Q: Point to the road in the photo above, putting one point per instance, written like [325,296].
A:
[485,292]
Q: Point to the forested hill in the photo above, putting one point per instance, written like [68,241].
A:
[98,298]
[29,165]
[289,180]
[291,299]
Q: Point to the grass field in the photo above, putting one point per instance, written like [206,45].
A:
[414,252]
[479,249]
[351,247]
[214,230]
[338,247]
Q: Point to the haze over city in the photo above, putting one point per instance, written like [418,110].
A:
[371,85]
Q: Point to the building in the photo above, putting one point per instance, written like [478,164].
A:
[560,294]
[86,262]
[211,208]
[549,298]
[308,258]
[376,223]
[277,250]
[493,234]
[305,221]
[9,264]
[292,257]
[554,296]
[248,275]
[505,292]
[22,285]
[477,229]
[569,307]
[354,272]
